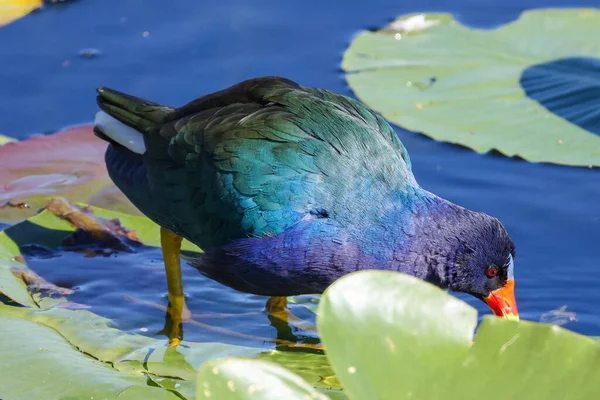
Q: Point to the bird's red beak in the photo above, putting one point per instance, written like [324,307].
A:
[502,301]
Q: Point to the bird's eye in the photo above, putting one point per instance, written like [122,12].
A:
[492,272]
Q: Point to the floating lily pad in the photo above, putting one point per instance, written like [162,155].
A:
[11,10]
[69,164]
[411,340]
[11,285]
[37,363]
[86,334]
[529,88]
[236,379]
[392,336]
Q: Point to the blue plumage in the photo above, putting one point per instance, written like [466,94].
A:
[287,188]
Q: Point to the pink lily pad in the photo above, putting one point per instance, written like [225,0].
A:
[67,164]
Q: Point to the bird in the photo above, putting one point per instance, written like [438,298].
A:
[287,188]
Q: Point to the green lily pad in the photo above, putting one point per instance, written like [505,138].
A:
[174,369]
[171,368]
[513,89]
[10,285]
[411,340]
[237,379]
[38,363]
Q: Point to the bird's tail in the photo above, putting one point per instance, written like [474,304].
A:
[124,119]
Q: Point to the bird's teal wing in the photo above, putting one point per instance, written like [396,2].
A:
[256,158]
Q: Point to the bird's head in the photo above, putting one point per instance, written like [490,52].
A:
[484,265]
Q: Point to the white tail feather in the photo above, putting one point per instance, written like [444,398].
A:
[120,133]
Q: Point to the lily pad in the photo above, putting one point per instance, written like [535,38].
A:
[38,363]
[236,379]
[529,88]
[131,355]
[410,339]
[11,285]
[69,164]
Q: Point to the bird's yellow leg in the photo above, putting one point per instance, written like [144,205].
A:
[178,311]
[277,307]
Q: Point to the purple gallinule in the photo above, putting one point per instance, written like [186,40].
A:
[287,188]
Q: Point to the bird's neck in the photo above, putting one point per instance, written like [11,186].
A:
[431,239]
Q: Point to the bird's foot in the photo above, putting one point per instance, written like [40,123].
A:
[177,314]
[277,307]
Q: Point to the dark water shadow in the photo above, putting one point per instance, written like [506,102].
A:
[569,88]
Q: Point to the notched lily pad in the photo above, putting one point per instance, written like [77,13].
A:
[411,340]
[528,88]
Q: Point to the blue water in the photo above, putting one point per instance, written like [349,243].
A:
[192,48]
